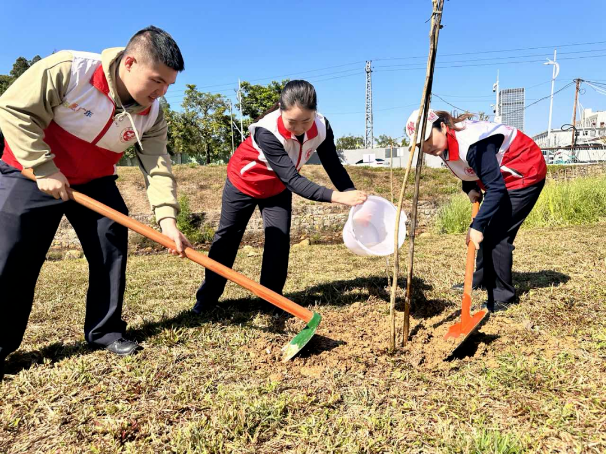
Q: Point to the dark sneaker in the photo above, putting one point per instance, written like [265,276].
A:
[198,308]
[123,347]
[495,306]
[201,307]
[459,287]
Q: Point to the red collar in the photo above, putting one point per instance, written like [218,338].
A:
[99,81]
[313,131]
[453,146]
[311,134]
[282,129]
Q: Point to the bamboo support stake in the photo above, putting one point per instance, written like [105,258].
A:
[436,18]
[391,173]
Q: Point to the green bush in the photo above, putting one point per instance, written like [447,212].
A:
[190,225]
[455,215]
[572,202]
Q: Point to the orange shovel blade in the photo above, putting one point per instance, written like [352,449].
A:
[466,327]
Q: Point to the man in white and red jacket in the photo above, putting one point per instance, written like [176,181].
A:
[69,118]
[504,164]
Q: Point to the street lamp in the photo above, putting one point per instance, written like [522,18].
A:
[556,71]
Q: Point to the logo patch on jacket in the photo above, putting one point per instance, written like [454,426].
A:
[127,135]
[469,171]
[77,108]
[308,154]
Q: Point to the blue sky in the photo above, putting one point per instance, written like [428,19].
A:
[328,43]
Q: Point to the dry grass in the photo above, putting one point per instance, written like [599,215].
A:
[203,185]
[534,379]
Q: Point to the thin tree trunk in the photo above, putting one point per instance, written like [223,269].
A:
[436,18]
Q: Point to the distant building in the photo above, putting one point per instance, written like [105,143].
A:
[591,119]
[511,107]
[379,157]
[590,140]
[591,130]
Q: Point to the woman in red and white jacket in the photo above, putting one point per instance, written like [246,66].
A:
[509,168]
[264,171]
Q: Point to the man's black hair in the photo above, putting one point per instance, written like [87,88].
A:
[158,46]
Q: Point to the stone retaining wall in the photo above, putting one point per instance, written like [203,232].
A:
[319,217]
[306,220]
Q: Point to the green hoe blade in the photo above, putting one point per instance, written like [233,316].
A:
[301,339]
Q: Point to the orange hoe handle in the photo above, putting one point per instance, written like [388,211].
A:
[263,292]
[469,264]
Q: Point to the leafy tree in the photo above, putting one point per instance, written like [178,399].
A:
[172,120]
[204,126]
[256,99]
[483,116]
[21,65]
[350,142]
[5,81]
[385,141]
[405,142]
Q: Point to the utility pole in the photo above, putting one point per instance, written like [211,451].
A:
[368,137]
[240,101]
[574,117]
[556,71]
[231,124]
[497,110]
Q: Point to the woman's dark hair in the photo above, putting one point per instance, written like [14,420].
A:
[300,93]
[449,120]
[295,93]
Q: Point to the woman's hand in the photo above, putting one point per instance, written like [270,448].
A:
[475,196]
[475,236]
[349,198]
[169,228]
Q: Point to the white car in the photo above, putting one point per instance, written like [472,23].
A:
[377,162]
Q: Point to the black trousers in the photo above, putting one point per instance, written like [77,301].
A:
[29,220]
[495,258]
[237,209]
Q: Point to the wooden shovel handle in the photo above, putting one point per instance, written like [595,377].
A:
[471,255]
[263,292]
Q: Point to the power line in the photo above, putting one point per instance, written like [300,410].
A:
[291,74]
[488,64]
[491,96]
[374,110]
[451,105]
[495,51]
[175,95]
[401,58]
[497,58]
[543,99]
[518,110]
[597,88]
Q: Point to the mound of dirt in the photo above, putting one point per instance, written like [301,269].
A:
[355,339]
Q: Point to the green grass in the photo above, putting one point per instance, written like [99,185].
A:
[561,203]
[214,383]
[572,202]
